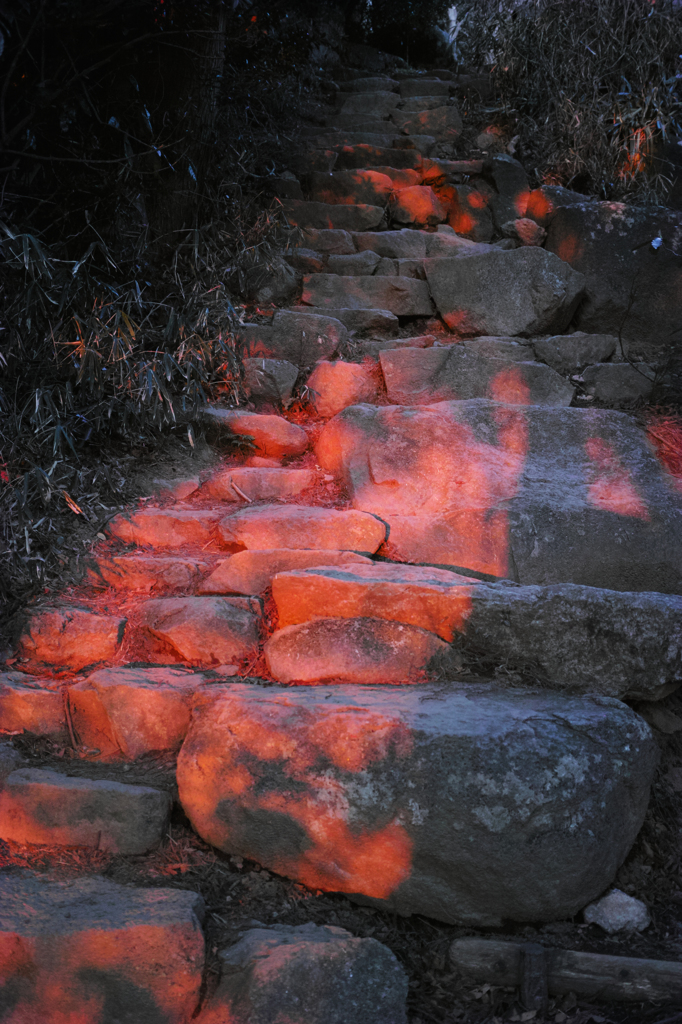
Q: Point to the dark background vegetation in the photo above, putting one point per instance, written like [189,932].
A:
[136,140]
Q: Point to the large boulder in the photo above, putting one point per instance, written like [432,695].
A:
[416,376]
[87,949]
[629,257]
[540,495]
[522,291]
[538,800]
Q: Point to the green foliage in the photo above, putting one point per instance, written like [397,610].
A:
[593,87]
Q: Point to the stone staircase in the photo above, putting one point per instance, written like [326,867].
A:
[391,636]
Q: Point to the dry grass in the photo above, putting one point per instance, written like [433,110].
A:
[594,87]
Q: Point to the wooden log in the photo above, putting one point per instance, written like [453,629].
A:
[592,975]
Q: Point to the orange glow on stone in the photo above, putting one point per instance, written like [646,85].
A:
[612,488]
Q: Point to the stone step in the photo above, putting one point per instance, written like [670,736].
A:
[49,808]
[295,526]
[372,84]
[416,376]
[408,243]
[245,483]
[401,296]
[358,217]
[70,637]
[625,645]
[273,379]
[418,207]
[424,87]
[541,495]
[206,630]
[362,651]
[299,336]
[348,187]
[32,705]
[126,713]
[266,976]
[443,123]
[251,572]
[360,155]
[271,435]
[88,949]
[139,571]
[539,796]
[417,104]
[334,386]
[571,352]
[166,528]
[378,102]
[360,264]
[339,243]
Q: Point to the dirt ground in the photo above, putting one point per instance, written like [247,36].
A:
[239,894]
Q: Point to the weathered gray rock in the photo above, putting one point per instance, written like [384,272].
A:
[265,527]
[201,630]
[509,178]
[379,103]
[165,528]
[399,295]
[525,291]
[98,951]
[424,87]
[630,285]
[360,264]
[274,283]
[512,350]
[578,638]
[444,124]
[618,912]
[370,154]
[618,384]
[418,206]
[417,103]
[361,321]
[258,483]
[271,379]
[30,704]
[369,187]
[303,338]
[39,806]
[544,202]
[70,637]
[329,240]
[541,495]
[378,84]
[416,376]
[270,435]
[470,215]
[539,795]
[567,352]
[351,650]
[312,973]
[406,243]
[344,217]
[251,572]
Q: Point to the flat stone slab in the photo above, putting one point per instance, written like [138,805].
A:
[307,336]
[130,712]
[266,978]
[358,217]
[201,630]
[297,526]
[624,645]
[378,103]
[371,187]
[70,638]
[444,123]
[434,599]
[416,376]
[272,380]
[567,352]
[373,154]
[45,807]
[139,571]
[619,384]
[251,572]
[272,435]
[333,386]
[29,705]
[400,295]
[363,651]
[522,291]
[539,495]
[165,528]
[242,483]
[88,946]
[539,797]
[364,321]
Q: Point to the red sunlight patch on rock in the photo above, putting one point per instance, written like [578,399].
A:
[295,526]
[366,651]
[45,807]
[72,950]
[285,819]
[165,528]
[28,706]
[255,483]
[251,572]
[147,572]
[130,712]
[350,187]
[337,385]
[417,206]
[612,487]
[202,630]
[272,435]
[434,599]
[71,638]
